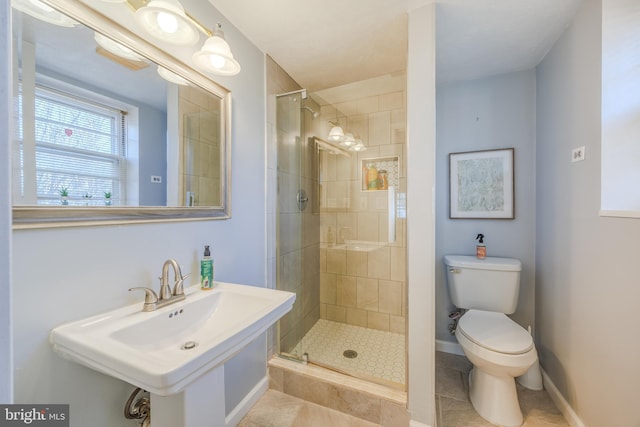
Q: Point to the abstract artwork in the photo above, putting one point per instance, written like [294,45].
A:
[481,184]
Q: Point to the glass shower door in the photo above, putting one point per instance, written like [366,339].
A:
[297,247]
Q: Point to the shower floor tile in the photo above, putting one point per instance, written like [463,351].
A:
[380,354]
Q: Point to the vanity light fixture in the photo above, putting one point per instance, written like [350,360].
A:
[215,56]
[171,77]
[349,140]
[116,48]
[336,133]
[166,20]
[43,12]
[359,146]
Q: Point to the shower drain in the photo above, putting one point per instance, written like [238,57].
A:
[350,354]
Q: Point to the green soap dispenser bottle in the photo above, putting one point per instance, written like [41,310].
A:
[206,270]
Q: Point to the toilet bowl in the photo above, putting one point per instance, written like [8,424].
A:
[499,350]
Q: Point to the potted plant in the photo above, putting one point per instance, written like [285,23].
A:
[64,196]
[107,198]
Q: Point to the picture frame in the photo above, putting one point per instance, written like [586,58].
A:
[482,184]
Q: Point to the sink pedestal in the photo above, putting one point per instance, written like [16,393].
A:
[200,404]
[148,349]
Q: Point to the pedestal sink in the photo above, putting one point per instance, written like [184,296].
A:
[177,352]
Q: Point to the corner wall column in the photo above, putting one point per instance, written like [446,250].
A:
[421,100]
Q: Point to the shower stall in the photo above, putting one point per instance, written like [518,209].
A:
[340,228]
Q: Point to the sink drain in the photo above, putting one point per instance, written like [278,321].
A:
[189,345]
[350,354]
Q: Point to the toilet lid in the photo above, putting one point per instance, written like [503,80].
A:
[495,331]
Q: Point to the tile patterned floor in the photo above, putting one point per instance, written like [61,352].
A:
[275,409]
[454,409]
[381,355]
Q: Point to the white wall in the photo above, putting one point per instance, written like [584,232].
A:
[67,274]
[490,113]
[420,213]
[587,289]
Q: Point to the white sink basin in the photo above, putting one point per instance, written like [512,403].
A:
[166,350]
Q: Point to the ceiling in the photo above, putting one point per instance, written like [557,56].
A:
[344,49]
[328,43]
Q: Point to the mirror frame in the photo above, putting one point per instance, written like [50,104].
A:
[30,216]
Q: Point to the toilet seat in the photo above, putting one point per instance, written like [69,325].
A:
[495,332]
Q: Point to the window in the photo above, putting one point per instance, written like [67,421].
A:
[620,163]
[79,145]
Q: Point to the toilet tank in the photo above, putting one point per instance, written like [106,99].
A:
[490,284]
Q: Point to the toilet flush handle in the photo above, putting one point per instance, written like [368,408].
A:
[454,270]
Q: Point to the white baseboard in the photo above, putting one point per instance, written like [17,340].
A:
[417,424]
[561,402]
[449,347]
[247,403]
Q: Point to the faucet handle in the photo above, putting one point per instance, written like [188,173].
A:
[178,288]
[150,298]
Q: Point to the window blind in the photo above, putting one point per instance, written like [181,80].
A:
[79,145]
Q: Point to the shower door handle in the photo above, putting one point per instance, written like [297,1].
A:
[302,199]
[391,206]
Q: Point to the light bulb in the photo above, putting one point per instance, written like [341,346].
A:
[167,22]
[217,61]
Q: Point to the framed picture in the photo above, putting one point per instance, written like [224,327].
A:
[481,184]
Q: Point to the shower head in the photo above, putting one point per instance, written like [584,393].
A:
[314,113]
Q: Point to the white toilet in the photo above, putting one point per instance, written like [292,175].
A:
[498,347]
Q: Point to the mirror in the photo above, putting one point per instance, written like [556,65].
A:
[112,131]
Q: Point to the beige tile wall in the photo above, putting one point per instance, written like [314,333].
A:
[200,147]
[363,287]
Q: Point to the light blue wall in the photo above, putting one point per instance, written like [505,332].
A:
[587,288]
[70,273]
[6,341]
[491,113]
[152,147]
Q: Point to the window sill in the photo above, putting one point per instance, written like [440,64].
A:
[620,214]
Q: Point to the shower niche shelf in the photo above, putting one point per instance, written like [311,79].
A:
[389,164]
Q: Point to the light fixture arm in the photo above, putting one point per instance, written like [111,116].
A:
[207,32]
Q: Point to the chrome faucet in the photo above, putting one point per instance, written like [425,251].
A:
[152,301]
[165,289]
